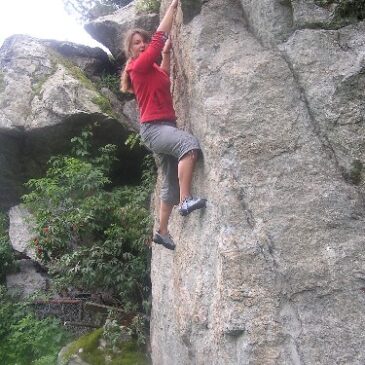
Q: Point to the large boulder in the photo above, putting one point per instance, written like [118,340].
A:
[272,272]
[20,231]
[93,61]
[49,91]
[109,30]
[27,280]
[41,88]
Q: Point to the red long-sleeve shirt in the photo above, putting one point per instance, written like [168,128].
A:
[151,84]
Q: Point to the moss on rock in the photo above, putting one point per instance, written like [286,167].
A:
[74,70]
[104,104]
[88,349]
[37,85]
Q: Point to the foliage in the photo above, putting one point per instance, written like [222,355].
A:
[133,140]
[81,8]
[346,8]
[6,253]
[111,82]
[113,333]
[137,329]
[90,237]
[24,340]
[148,6]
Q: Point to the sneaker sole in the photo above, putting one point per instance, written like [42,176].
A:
[160,241]
[199,205]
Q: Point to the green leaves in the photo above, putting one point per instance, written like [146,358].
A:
[24,340]
[148,6]
[90,237]
[6,254]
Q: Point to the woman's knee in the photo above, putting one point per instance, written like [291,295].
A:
[192,155]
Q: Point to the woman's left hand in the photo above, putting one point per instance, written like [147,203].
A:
[174,3]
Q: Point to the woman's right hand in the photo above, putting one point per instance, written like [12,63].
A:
[167,47]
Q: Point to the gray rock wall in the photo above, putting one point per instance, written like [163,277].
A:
[272,272]
[49,90]
[110,29]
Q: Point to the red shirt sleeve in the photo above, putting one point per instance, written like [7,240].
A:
[146,59]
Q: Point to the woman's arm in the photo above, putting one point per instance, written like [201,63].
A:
[166,22]
[165,63]
[147,58]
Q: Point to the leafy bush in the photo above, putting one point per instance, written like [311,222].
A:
[148,6]
[6,254]
[90,237]
[24,340]
[112,82]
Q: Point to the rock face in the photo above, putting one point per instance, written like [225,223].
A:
[27,281]
[109,30]
[273,271]
[48,92]
[20,232]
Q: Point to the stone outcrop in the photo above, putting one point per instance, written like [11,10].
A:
[49,91]
[109,30]
[27,281]
[20,231]
[272,272]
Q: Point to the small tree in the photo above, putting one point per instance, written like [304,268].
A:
[90,237]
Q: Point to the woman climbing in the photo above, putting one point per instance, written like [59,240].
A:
[177,150]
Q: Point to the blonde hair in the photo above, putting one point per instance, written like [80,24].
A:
[125,80]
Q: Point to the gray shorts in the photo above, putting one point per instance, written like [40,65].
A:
[169,144]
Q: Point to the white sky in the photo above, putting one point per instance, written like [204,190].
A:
[45,19]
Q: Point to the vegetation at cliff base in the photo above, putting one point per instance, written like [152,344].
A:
[93,237]
[6,254]
[88,349]
[25,340]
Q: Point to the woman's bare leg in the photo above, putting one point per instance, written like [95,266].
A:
[165,212]
[185,173]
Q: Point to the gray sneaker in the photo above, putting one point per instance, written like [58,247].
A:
[164,240]
[190,204]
